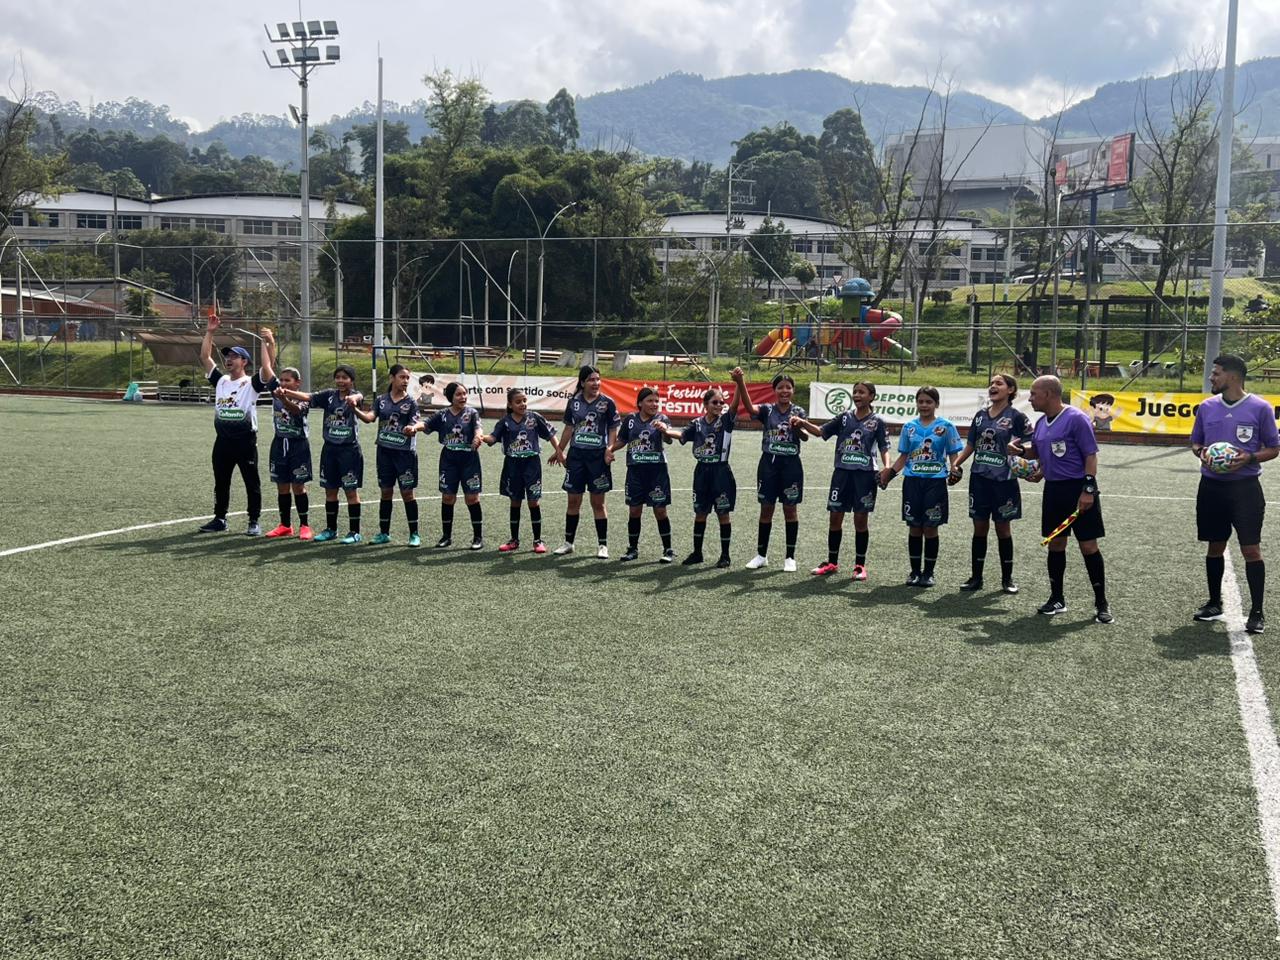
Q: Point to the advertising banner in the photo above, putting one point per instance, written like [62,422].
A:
[682,400]
[897,404]
[1171,414]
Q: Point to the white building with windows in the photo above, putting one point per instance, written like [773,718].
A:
[685,235]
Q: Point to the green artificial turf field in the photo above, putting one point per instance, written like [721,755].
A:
[225,747]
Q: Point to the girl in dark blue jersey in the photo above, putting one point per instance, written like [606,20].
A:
[780,475]
[458,426]
[591,427]
[644,433]
[519,432]
[396,414]
[714,487]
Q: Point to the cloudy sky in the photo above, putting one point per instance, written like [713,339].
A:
[203,60]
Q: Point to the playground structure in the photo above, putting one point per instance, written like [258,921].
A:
[859,330]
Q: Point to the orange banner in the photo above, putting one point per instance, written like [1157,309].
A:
[682,400]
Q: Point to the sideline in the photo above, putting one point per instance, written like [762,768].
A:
[1259,731]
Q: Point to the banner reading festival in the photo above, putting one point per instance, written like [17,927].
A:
[897,404]
[1169,414]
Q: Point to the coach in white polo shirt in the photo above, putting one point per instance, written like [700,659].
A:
[235,423]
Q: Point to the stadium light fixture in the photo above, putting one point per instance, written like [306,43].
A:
[300,54]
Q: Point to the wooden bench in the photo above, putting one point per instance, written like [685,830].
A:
[552,357]
[356,345]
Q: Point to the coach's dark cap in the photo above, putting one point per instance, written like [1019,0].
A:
[240,352]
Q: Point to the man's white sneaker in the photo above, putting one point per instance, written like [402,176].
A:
[562,550]
[603,552]
[756,562]
[789,565]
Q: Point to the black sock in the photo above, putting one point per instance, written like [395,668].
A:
[602,531]
[411,515]
[633,532]
[762,538]
[861,538]
[834,539]
[915,547]
[1214,567]
[726,534]
[384,515]
[570,527]
[664,531]
[1097,576]
[978,556]
[1005,546]
[446,521]
[1255,571]
[699,532]
[331,515]
[303,502]
[792,528]
[353,516]
[284,503]
[930,555]
[477,520]
[1057,571]
[535,521]
[515,520]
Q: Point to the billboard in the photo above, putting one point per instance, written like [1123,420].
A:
[1104,167]
[896,404]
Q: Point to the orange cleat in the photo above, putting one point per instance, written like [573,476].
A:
[304,533]
[280,531]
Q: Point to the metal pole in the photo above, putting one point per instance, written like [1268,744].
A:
[1222,200]
[1090,256]
[1057,275]
[486,308]
[537,346]
[304,264]
[378,229]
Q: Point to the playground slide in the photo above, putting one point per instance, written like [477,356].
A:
[780,349]
[768,342]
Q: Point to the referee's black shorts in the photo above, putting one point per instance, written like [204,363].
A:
[1222,505]
[1061,497]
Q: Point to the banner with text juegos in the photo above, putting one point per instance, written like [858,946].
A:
[1171,414]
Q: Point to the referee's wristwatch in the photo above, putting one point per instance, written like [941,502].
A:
[1090,485]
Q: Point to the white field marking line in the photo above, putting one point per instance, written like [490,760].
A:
[1259,731]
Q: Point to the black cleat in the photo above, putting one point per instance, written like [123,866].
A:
[668,556]
[926,580]
[216,525]
[1051,608]
[913,580]
[1103,616]
[973,583]
[444,542]
[631,554]
[1209,612]
[1256,623]
[691,559]
[477,544]
[1009,586]
[724,562]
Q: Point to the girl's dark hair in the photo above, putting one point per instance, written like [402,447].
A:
[929,392]
[396,368]
[584,372]
[707,396]
[346,368]
[450,389]
[512,393]
[780,378]
[1009,382]
[645,393]
[869,385]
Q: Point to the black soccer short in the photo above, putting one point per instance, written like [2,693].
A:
[925,502]
[521,478]
[1060,500]
[998,500]
[1223,505]
[290,460]
[460,468]
[586,472]
[780,478]
[853,491]
[397,467]
[341,466]
[715,490]
[648,485]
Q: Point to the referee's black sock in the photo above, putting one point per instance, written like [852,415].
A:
[331,515]
[284,502]
[930,555]
[699,532]
[303,502]
[664,531]
[384,515]
[1005,546]
[726,534]
[978,556]
[353,516]
[515,520]
[792,528]
[861,538]
[1214,567]
[915,547]
[834,538]
[1097,576]
[446,521]
[1255,571]
[570,527]
[633,532]
[411,515]
[1057,570]
[477,520]
[762,538]
[602,531]
[535,521]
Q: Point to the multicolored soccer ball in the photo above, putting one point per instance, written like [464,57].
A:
[1022,468]
[1220,456]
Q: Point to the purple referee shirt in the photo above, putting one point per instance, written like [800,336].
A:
[1063,442]
[1249,424]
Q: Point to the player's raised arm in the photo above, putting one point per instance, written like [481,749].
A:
[206,345]
[267,352]
[741,397]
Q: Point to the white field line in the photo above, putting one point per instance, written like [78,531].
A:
[1259,732]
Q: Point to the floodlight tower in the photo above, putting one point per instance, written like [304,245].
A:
[303,55]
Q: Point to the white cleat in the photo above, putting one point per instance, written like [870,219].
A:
[603,552]
[563,550]
[756,562]
[789,565]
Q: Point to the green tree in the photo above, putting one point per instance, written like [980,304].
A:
[189,258]
[524,124]
[803,270]
[782,138]
[771,251]
[562,118]
[25,175]
[395,139]
[848,160]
